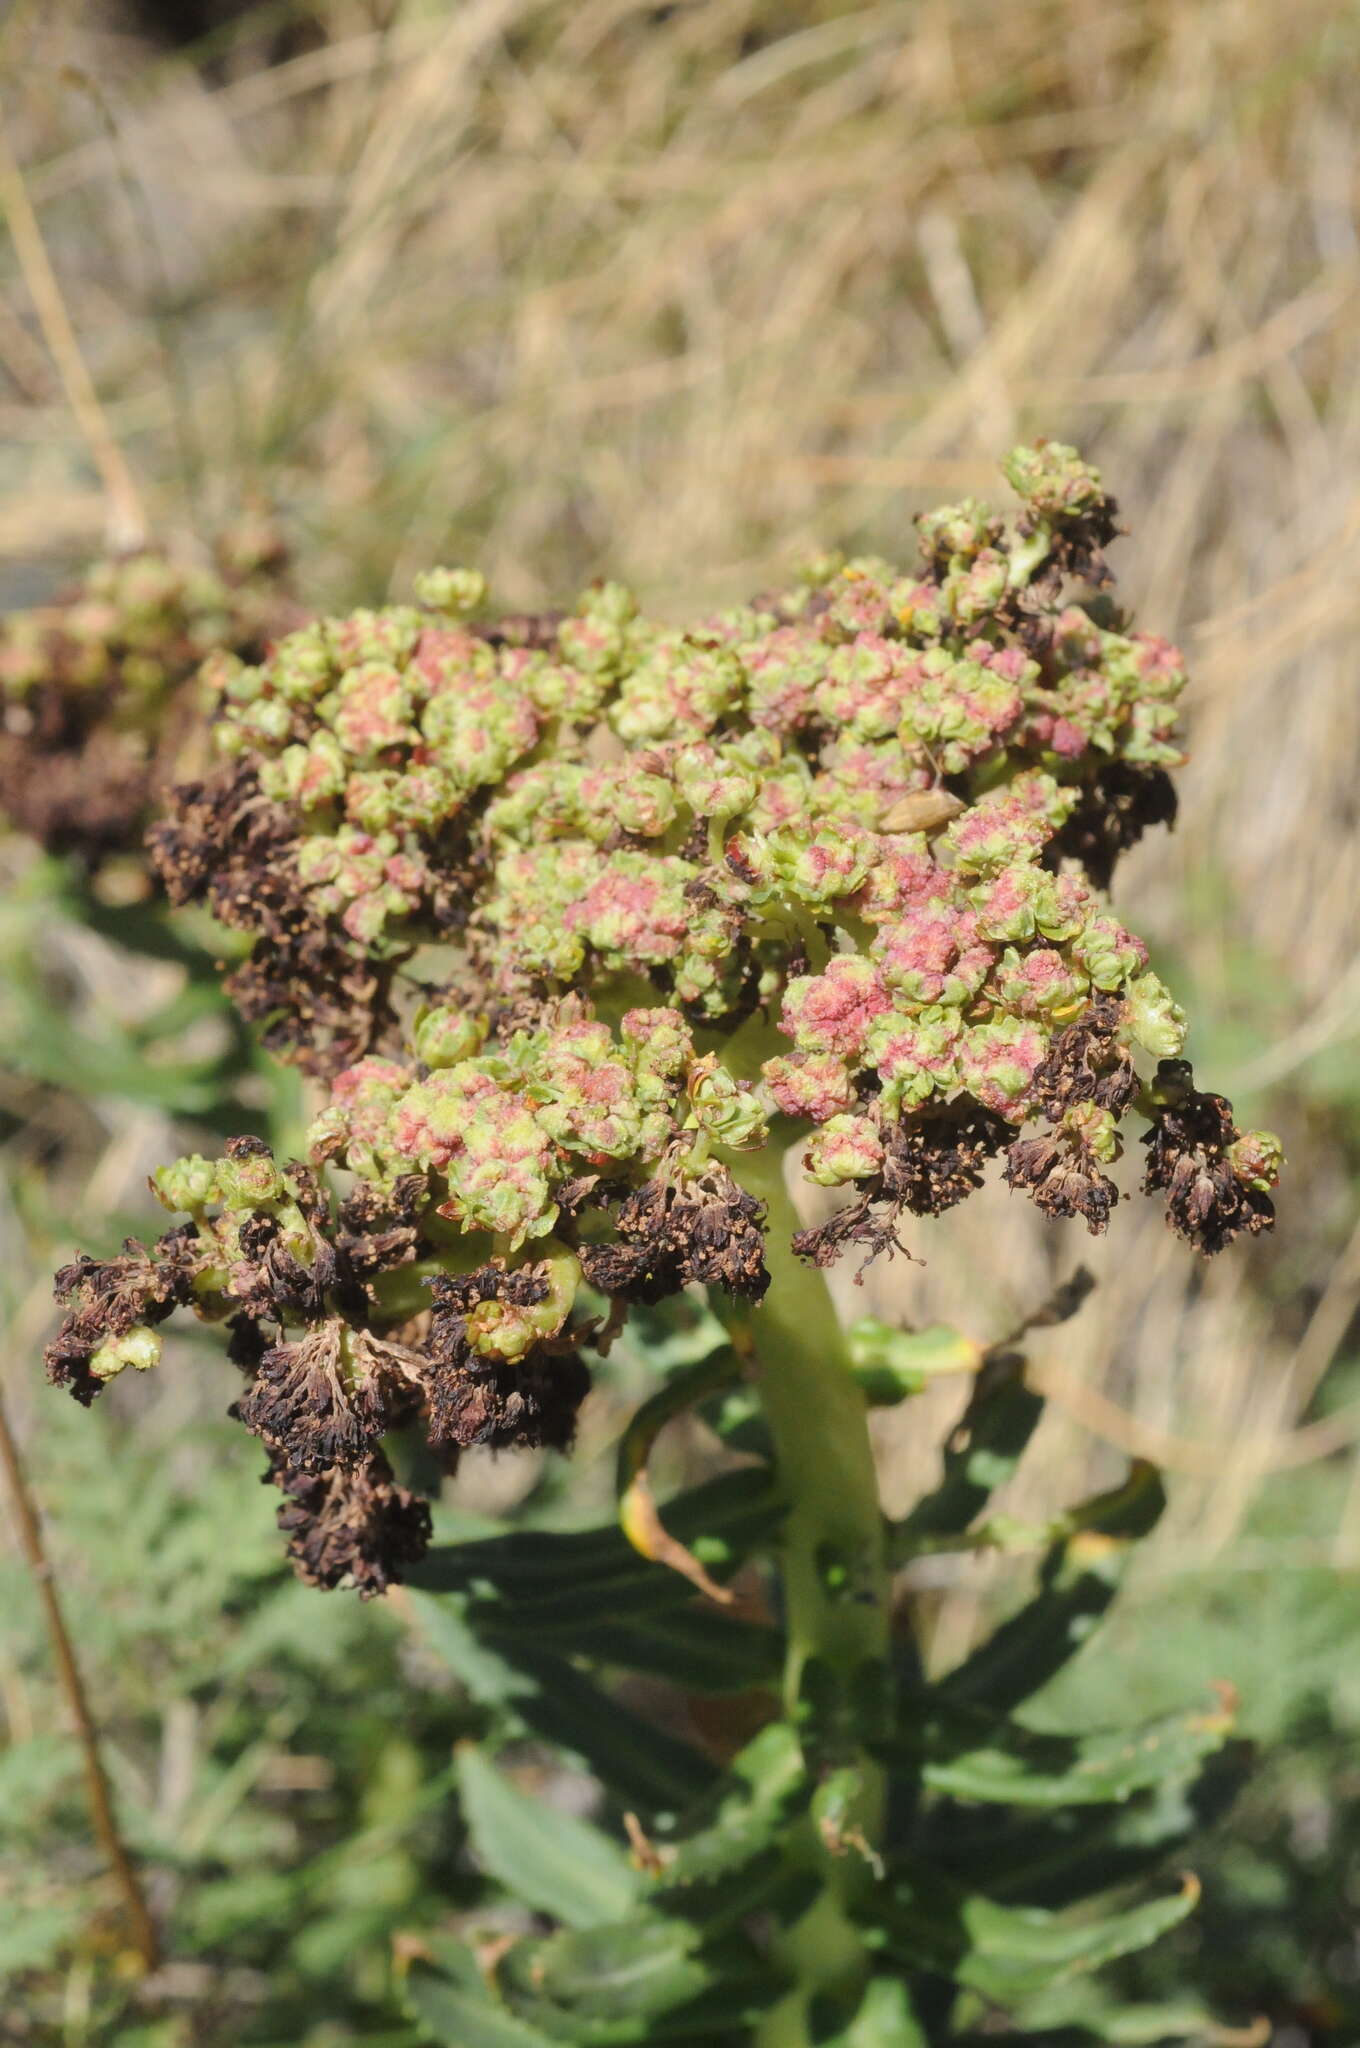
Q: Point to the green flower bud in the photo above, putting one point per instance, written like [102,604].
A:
[250,1182]
[268,721]
[660,1043]
[385,639]
[644,804]
[138,1347]
[456,592]
[231,678]
[1155,1020]
[321,777]
[187,1185]
[1257,1159]
[371,797]
[612,603]
[503,1329]
[956,534]
[1097,1130]
[442,1036]
[303,665]
[229,741]
[729,1111]
[373,710]
[845,1148]
[1052,478]
[318,859]
[366,916]
[281,780]
[595,645]
[1109,954]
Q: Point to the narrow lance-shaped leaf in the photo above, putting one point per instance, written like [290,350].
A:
[638,1763]
[1010,1952]
[766,1787]
[542,1855]
[1078,1582]
[639,1515]
[891,1365]
[1014,1951]
[981,1758]
[885,2019]
[982,1454]
[536,1575]
[642,1980]
[1061,1856]
[458,2010]
[536,1692]
[701,1652]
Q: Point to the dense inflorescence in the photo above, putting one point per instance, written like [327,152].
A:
[598,796]
[578,912]
[92,710]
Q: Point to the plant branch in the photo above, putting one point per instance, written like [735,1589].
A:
[834,1565]
[127,519]
[142,1926]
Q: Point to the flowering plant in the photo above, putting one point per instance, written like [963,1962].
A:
[95,687]
[590,925]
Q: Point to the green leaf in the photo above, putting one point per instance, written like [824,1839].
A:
[1083,2005]
[977,1757]
[678,1332]
[685,1388]
[1007,1953]
[1079,1579]
[641,1980]
[981,1456]
[549,1578]
[767,1786]
[589,1592]
[1017,1948]
[489,1676]
[220,1910]
[32,1938]
[459,2018]
[147,927]
[600,1987]
[547,1858]
[31,1773]
[736,1416]
[885,2019]
[1141,2026]
[640,1764]
[703,1652]
[1063,1856]
[542,1694]
[892,1364]
[449,1992]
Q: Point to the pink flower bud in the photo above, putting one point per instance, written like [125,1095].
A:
[832,1012]
[998,1063]
[815,1085]
[847,1148]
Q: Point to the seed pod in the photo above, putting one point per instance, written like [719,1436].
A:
[924,810]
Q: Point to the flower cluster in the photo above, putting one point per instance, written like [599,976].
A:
[598,796]
[91,717]
[578,913]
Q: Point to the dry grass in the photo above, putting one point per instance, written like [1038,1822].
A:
[676,292]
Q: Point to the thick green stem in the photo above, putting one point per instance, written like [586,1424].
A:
[835,1576]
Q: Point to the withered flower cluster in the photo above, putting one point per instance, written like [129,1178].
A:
[577,914]
[93,703]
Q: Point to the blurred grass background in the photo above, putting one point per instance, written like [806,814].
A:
[677,292]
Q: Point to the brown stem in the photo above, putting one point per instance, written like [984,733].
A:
[142,1926]
[126,518]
